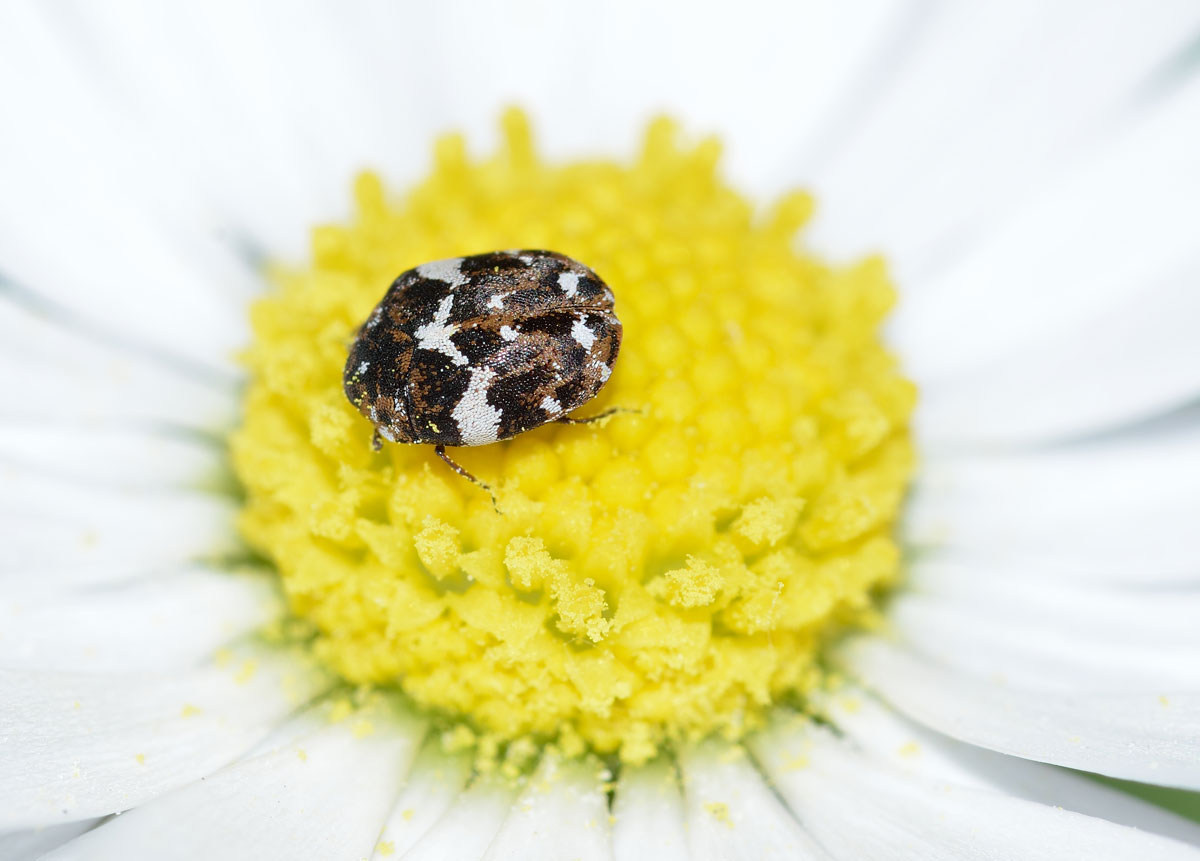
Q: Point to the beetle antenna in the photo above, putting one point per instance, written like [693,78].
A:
[440,450]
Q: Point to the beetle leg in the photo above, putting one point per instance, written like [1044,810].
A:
[376,441]
[611,411]
[440,450]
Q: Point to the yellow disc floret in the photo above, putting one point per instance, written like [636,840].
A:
[663,574]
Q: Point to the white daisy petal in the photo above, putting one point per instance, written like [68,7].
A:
[1070,570]
[59,183]
[469,824]
[151,624]
[1058,639]
[1016,590]
[115,171]
[649,814]
[320,91]
[1147,737]
[89,534]
[265,186]
[130,458]
[1042,509]
[436,780]
[1084,263]
[887,36]
[980,108]
[36,842]
[860,810]
[902,745]
[608,100]
[562,812]
[76,379]
[81,745]
[340,782]
[733,814]
[1106,367]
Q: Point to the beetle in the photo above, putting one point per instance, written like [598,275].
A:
[472,350]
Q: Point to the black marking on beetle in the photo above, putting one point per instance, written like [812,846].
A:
[472,350]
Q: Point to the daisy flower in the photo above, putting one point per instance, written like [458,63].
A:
[781,606]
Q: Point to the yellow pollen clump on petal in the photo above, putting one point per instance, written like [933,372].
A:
[658,576]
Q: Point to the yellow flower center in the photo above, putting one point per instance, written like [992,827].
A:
[664,574]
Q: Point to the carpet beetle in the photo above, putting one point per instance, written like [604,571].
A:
[472,350]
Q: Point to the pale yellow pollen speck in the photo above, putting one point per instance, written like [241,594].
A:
[909,748]
[245,671]
[141,759]
[385,847]
[362,728]
[719,811]
[796,762]
[1163,701]
[189,710]
[731,753]
[458,738]
[341,709]
[665,574]
[302,754]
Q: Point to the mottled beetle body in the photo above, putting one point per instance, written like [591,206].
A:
[471,350]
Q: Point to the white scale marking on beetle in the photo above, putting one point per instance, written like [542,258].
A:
[478,421]
[362,367]
[496,301]
[435,335]
[449,271]
[604,370]
[581,333]
[508,333]
[569,282]
[551,405]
